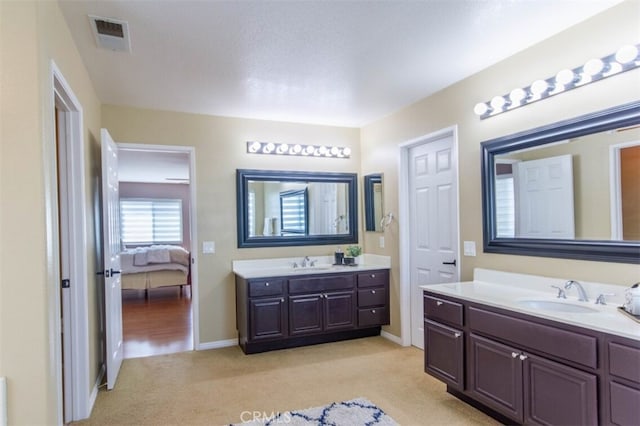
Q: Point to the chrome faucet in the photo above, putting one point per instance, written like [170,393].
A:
[561,293]
[582,295]
[304,261]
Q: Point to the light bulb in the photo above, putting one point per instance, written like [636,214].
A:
[593,67]
[481,108]
[565,77]
[626,54]
[310,149]
[335,150]
[282,148]
[346,151]
[498,103]
[297,148]
[269,148]
[538,87]
[517,96]
[255,147]
[322,150]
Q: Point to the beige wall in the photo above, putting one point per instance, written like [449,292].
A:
[596,37]
[32,34]
[220,146]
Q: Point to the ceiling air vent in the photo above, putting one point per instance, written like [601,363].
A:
[111,34]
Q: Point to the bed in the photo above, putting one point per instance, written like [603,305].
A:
[145,268]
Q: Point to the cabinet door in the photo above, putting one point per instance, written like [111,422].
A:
[267,318]
[444,353]
[339,310]
[495,376]
[305,314]
[558,395]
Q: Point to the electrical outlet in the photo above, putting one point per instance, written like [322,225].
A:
[381,242]
[469,248]
[208,247]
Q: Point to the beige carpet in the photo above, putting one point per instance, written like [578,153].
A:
[215,387]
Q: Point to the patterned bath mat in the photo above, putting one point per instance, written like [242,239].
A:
[355,412]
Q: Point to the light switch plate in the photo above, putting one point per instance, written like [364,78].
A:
[469,248]
[381,241]
[208,247]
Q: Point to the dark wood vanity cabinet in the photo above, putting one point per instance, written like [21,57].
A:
[622,384]
[529,370]
[275,313]
[319,304]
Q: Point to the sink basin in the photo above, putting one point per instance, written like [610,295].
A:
[549,305]
[319,267]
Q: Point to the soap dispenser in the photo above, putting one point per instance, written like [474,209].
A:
[338,256]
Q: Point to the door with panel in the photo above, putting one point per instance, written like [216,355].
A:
[433,204]
[111,252]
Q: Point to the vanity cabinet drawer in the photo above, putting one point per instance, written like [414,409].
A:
[624,362]
[373,278]
[443,310]
[564,344]
[320,284]
[372,297]
[266,287]
[373,316]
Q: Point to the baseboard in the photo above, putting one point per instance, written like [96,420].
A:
[217,344]
[395,339]
[94,391]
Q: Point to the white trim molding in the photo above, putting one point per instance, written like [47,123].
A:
[71,120]
[392,337]
[616,188]
[217,344]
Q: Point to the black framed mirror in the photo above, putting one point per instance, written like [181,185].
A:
[294,208]
[585,218]
[373,195]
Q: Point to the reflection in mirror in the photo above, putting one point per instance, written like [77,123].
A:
[570,189]
[277,208]
[373,202]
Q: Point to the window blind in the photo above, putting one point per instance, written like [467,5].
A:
[293,212]
[151,221]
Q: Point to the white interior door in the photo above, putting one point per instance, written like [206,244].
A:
[544,198]
[433,204]
[112,276]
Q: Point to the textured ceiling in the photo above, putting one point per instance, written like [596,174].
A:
[327,62]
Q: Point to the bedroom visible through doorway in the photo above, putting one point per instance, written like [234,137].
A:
[157,261]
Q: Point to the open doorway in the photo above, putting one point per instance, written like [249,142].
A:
[156,212]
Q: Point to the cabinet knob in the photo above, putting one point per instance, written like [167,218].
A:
[373,275]
[523,357]
[282,300]
[514,354]
[438,303]
[373,292]
[456,335]
[373,311]
[266,284]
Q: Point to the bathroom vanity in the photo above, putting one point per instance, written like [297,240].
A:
[525,356]
[281,307]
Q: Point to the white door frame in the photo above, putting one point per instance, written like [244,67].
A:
[71,128]
[403,219]
[616,188]
[191,151]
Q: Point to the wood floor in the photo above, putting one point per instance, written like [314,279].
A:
[158,324]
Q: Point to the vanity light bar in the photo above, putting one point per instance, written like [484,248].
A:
[273,148]
[625,59]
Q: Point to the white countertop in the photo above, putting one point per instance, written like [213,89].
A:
[282,267]
[504,290]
